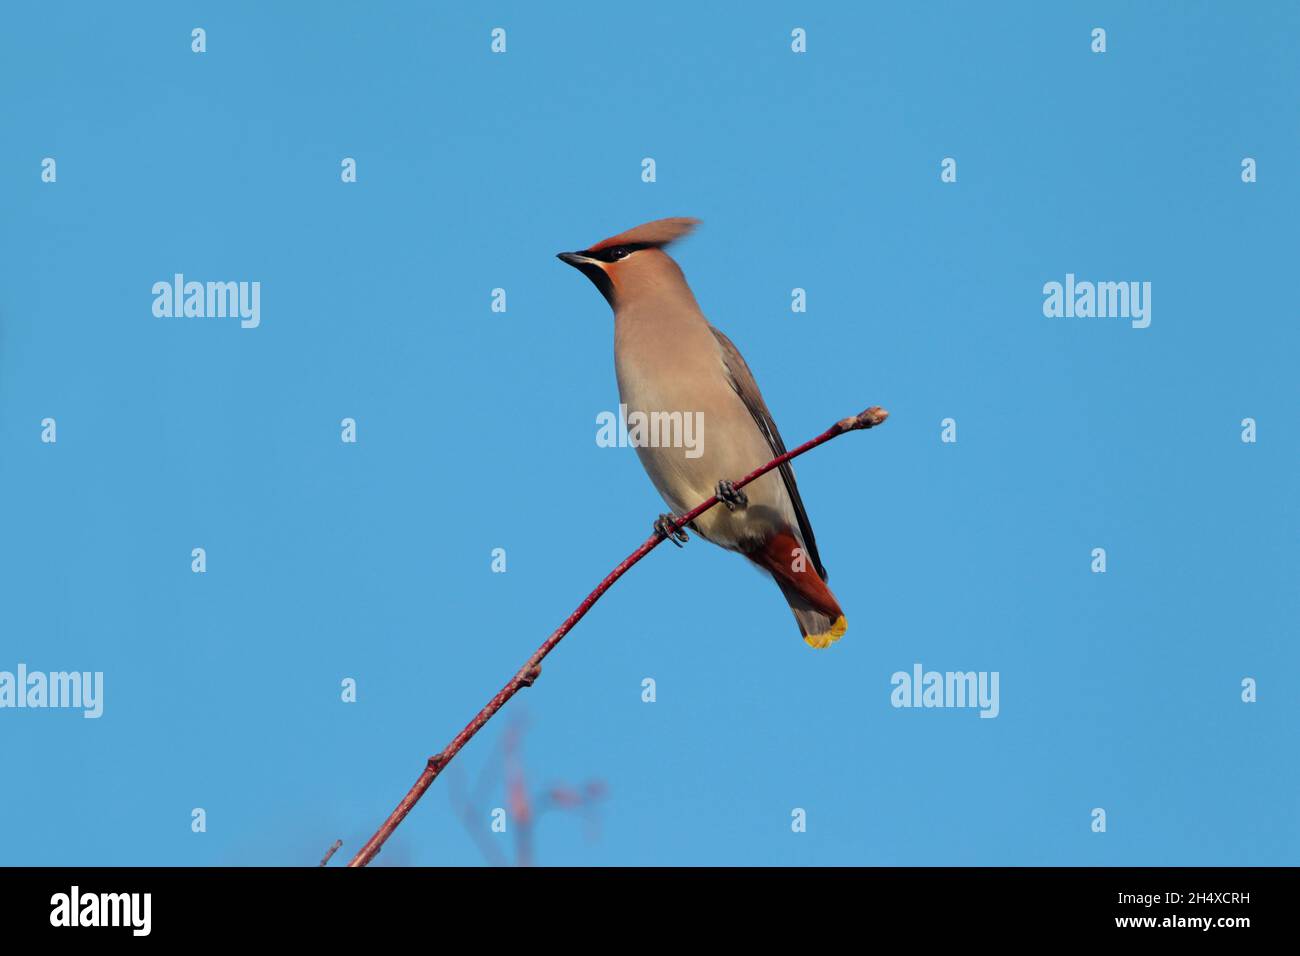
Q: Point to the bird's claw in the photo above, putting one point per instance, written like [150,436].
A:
[665,529]
[730,495]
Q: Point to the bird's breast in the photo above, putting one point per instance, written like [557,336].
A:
[690,430]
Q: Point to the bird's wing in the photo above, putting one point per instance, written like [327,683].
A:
[742,380]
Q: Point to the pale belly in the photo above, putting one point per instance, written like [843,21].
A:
[701,434]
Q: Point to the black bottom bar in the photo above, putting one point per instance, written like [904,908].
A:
[209,905]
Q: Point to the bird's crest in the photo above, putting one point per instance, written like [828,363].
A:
[657,233]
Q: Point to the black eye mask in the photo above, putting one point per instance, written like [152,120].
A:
[615,253]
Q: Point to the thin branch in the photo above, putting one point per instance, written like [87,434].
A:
[528,674]
[324,861]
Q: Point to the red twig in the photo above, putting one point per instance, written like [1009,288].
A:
[528,674]
[330,852]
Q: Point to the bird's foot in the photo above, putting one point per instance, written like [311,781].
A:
[664,528]
[730,495]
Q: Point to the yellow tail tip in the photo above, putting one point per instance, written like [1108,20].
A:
[827,638]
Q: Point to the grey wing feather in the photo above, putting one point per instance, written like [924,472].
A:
[742,380]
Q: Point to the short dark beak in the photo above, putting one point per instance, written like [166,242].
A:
[592,269]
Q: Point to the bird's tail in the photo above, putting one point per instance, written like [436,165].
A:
[821,622]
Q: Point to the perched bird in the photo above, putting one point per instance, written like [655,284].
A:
[668,358]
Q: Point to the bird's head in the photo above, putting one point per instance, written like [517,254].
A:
[632,262]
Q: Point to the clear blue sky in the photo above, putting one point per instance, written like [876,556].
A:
[476,430]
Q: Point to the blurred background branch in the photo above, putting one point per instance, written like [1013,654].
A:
[526,806]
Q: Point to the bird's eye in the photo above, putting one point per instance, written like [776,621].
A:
[619,253]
